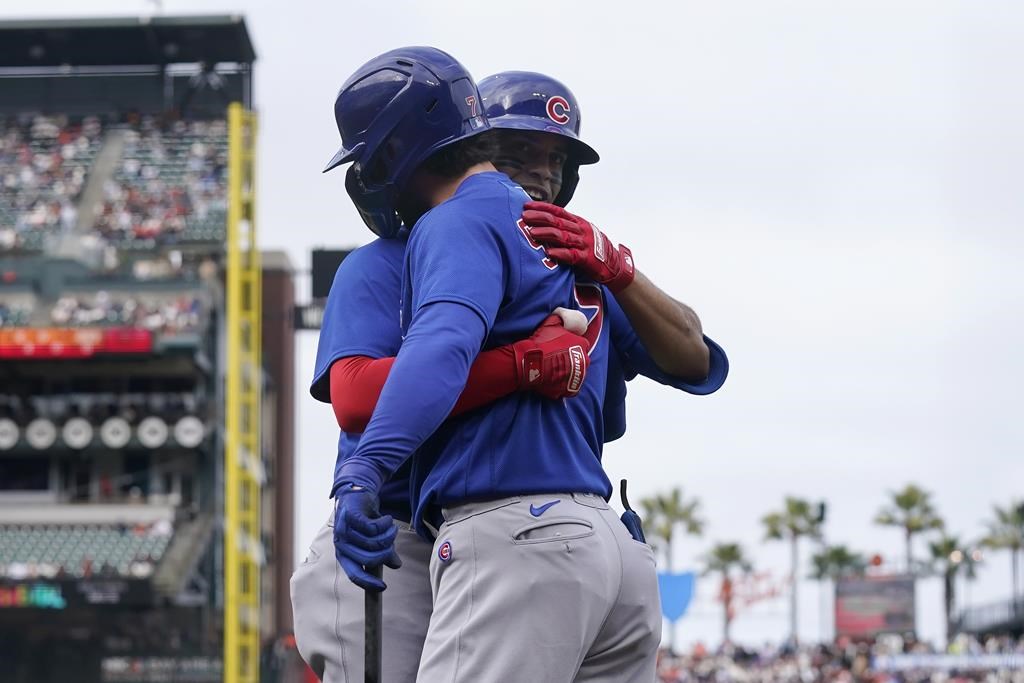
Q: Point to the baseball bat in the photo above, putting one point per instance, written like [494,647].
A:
[373,618]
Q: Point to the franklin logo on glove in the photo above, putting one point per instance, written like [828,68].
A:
[578,358]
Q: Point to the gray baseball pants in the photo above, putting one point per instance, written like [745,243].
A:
[328,611]
[530,591]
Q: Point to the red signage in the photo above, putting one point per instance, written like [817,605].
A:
[64,343]
[867,607]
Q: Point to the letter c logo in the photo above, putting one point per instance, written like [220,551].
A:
[558,109]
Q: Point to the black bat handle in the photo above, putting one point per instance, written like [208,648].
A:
[622,492]
[374,620]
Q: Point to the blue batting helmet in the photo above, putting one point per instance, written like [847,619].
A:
[524,100]
[393,113]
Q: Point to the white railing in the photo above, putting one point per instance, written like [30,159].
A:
[85,513]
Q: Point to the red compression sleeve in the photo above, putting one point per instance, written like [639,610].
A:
[356,383]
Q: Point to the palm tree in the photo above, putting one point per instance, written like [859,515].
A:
[835,562]
[911,510]
[664,513]
[798,518]
[722,559]
[1006,532]
[950,557]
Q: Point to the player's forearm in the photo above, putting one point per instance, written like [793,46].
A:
[427,377]
[492,376]
[669,329]
[356,383]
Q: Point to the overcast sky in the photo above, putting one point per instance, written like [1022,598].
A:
[836,188]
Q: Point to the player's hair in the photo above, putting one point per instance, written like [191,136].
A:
[453,160]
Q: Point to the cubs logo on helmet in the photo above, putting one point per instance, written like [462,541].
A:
[525,100]
[557,108]
[393,113]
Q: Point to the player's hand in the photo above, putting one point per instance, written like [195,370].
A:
[574,241]
[363,538]
[553,361]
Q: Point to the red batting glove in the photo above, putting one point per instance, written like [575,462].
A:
[553,361]
[575,242]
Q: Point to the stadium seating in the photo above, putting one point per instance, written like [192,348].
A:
[44,161]
[160,313]
[76,551]
[846,661]
[16,311]
[169,313]
[169,188]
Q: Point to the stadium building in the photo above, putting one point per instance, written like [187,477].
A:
[146,360]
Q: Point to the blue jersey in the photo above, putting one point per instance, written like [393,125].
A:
[361,318]
[474,250]
[472,274]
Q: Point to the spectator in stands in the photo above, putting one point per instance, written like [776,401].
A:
[160,315]
[170,184]
[841,661]
[168,180]
[14,314]
[44,161]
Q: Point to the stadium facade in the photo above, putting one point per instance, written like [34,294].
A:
[146,360]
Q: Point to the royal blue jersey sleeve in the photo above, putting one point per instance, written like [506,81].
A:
[634,357]
[428,375]
[459,271]
[456,260]
[361,316]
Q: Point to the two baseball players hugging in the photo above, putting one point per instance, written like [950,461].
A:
[476,355]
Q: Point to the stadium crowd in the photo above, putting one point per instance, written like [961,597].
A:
[842,661]
[171,179]
[171,315]
[57,551]
[169,184]
[15,314]
[44,161]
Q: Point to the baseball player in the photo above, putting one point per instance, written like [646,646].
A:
[473,273]
[359,328]
[328,612]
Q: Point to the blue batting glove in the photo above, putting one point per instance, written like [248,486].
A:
[363,538]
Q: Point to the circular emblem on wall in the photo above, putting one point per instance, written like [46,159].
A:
[153,432]
[188,431]
[77,432]
[40,433]
[115,432]
[9,433]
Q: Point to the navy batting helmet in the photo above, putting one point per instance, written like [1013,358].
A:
[393,113]
[524,100]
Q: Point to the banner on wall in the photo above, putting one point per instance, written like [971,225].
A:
[867,607]
[676,593]
[35,594]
